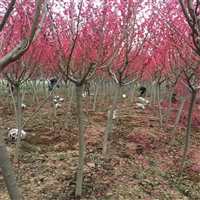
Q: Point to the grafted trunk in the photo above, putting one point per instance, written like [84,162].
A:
[81,131]
[19,124]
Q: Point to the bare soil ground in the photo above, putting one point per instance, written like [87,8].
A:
[140,163]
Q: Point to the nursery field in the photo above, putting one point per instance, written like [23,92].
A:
[105,97]
[140,163]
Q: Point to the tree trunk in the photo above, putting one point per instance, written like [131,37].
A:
[159,106]
[95,96]
[131,93]
[6,169]
[81,131]
[45,94]
[71,96]
[103,94]
[189,121]
[24,92]
[168,108]
[13,99]
[86,103]
[153,98]
[19,123]
[120,103]
[109,121]
[36,97]
[67,106]
[178,116]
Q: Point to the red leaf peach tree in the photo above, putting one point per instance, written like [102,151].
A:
[17,33]
[18,25]
[132,56]
[190,10]
[185,33]
[87,36]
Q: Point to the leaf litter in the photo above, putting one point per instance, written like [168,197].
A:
[140,163]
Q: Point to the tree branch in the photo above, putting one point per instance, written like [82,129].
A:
[21,48]
[10,7]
